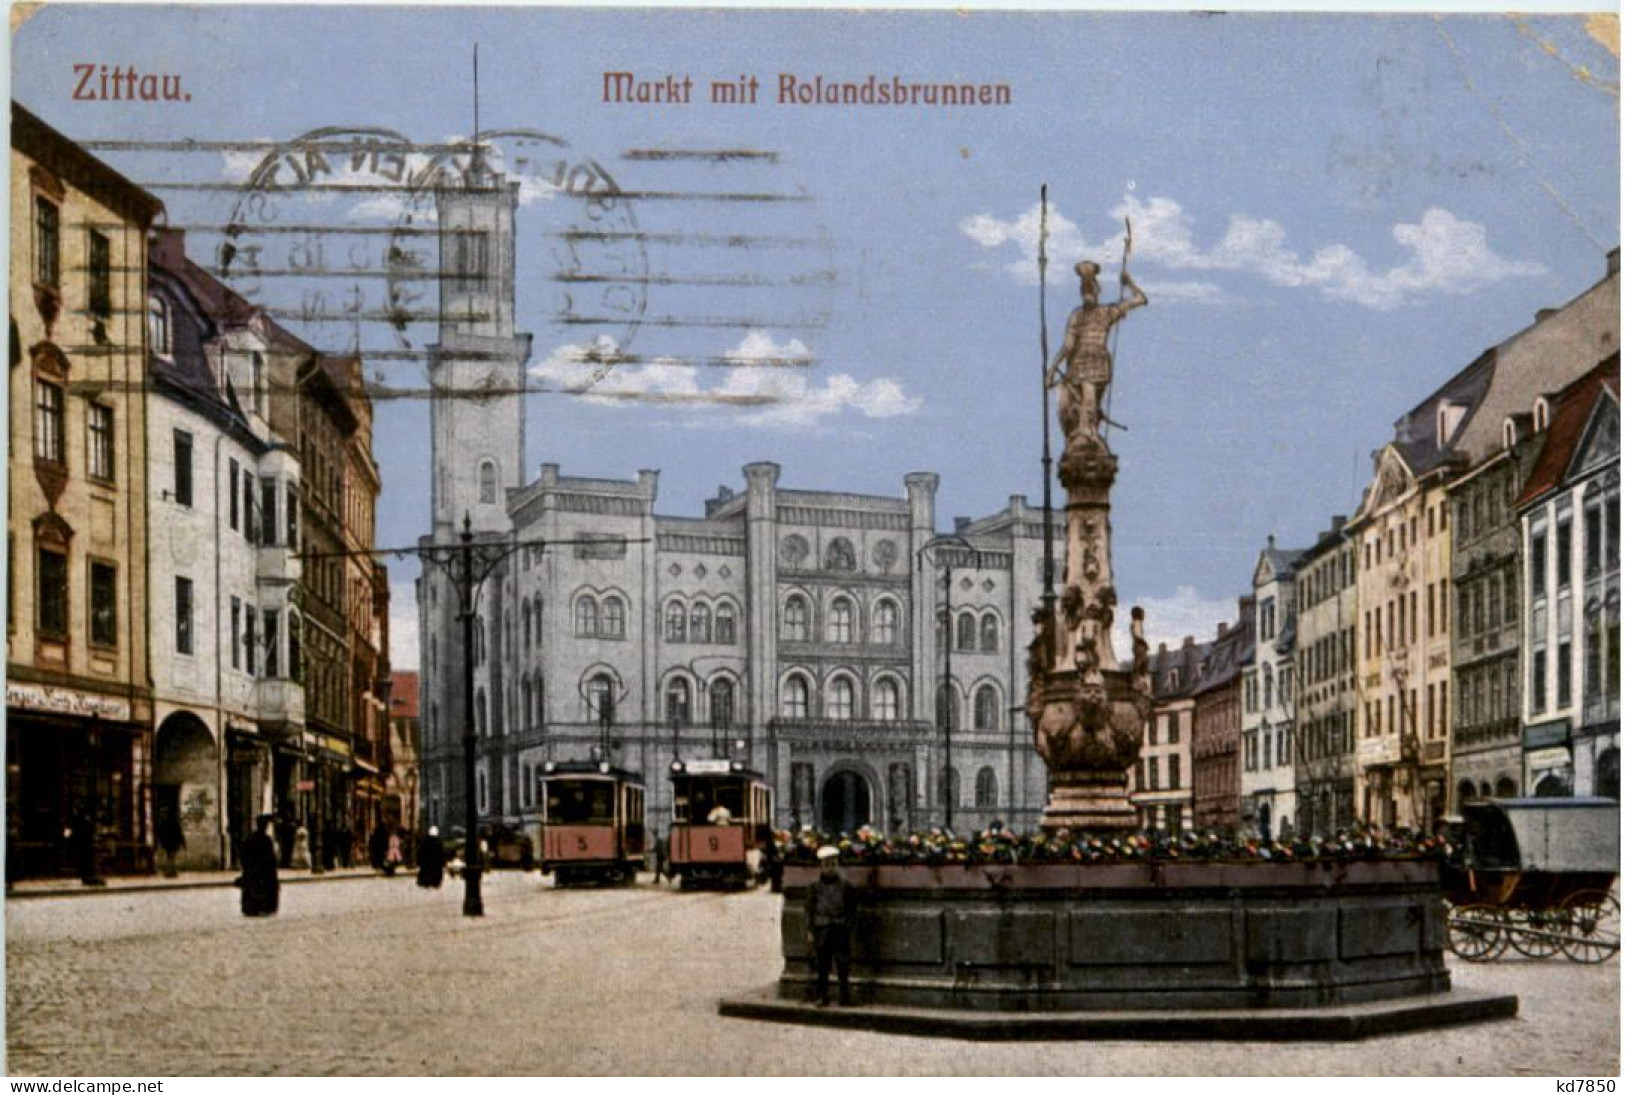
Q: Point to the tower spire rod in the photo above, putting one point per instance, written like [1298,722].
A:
[475,137]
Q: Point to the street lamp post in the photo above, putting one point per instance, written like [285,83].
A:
[945,704]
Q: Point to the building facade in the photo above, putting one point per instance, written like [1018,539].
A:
[1269,793]
[1569,514]
[400,806]
[1325,704]
[1162,794]
[224,565]
[1216,725]
[79,715]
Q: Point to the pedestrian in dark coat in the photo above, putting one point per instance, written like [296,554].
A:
[171,839]
[259,881]
[831,908]
[431,860]
[662,857]
[82,845]
[378,848]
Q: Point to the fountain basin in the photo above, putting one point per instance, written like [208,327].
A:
[1133,936]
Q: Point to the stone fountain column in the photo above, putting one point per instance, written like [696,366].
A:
[1088,712]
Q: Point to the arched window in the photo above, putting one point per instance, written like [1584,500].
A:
[699,624]
[614,621]
[795,619]
[840,699]
[839,555]
[488,481]
[601,698]
[946,704]
[987,789]
[722,702]
[885,701]
[158,326]
[965,632]
[840,621]
[537,695]
[987,708]
[679,702]
[676,623]
[990,633]
[726,630]
[886,623]
[793,704]
[586,616]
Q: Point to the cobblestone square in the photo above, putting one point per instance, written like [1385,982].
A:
[374,976]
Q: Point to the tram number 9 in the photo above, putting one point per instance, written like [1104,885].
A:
[714,843]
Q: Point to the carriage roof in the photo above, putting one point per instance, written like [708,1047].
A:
[1557,835]
[731,769]
[599,769]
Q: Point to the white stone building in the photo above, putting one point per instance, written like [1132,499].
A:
[222,557]
[1569,513]
[1269,799]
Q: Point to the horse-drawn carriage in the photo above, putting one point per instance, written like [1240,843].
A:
[1535,875]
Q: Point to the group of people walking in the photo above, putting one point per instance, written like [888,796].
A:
[261,856]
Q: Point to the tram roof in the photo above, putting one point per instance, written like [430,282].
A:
[589,768]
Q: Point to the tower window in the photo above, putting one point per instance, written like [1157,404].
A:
[488,482]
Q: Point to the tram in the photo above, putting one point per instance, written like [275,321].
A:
[592,822]
[718,808]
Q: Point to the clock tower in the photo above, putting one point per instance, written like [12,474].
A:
[477,368]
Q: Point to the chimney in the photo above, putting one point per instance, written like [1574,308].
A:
[961,524]
[1162,648]
[1544,314]
[1613,262]
[167,247]
[1224,628]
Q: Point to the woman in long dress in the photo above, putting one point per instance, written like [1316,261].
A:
[431,860]
[260,885]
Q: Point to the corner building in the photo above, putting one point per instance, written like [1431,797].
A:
[78,678]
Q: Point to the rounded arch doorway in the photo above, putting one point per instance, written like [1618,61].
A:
[846,804]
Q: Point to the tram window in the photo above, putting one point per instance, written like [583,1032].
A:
[580,803]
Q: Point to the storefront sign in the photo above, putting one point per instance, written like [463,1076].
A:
[66,701]
[305,785]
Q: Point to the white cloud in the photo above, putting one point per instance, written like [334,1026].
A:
[1169,619]
[771,378]
[1445,254]
[403,626]
[237,164]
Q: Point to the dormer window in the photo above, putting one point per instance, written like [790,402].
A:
[1509,433]
[1450,416]
[158,333]
[1543,415]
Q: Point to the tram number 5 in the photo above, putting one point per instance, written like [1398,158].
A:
[581,843]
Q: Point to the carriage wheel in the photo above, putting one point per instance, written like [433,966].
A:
[1537,933]
[1476,932]
[1593,926]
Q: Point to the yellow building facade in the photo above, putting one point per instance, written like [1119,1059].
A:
[78,691]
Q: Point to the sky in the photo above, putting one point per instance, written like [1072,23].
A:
[1331,216]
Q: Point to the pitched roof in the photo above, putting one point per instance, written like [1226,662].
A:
[403,695]
[1571,411]
[55,152]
